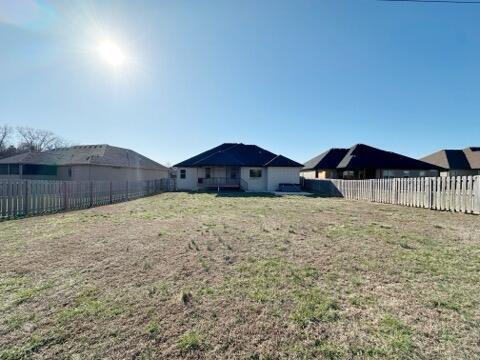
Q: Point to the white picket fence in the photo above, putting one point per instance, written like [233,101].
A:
[458,193]
[33,197]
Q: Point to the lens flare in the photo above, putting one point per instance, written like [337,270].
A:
[111,53]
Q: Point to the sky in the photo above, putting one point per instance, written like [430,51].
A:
[295,77]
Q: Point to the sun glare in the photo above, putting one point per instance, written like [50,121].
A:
[111,53]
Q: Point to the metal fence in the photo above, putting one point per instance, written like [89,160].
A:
[33,197]
[457,193]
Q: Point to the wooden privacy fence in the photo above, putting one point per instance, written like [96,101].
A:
[34,197]
[457,193]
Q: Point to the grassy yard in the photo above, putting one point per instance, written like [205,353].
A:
[202,276]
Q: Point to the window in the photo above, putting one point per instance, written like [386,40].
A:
[39,170]
[207,173]
[349,174]
[387,174]
[183,174]
[255,173]
[3,169]
[14,169]
[233,173]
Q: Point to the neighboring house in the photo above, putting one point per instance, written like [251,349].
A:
[84,162]
[456,162]
[172,173]
[237,166]
[365,162]
[324,166]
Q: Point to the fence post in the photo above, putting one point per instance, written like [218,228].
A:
[8,200]
[25,201]
[65,205]
[91,193]
[476,199]
[110,193]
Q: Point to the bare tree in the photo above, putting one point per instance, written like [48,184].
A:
[31,139]
[5,133]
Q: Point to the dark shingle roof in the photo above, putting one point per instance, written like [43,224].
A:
[362,156]
[466,159]
[326,160]
[105,155]
[282,161]
[231,154]
[473,156]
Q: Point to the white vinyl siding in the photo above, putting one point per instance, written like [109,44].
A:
[282,175]
[190,182]
[308,174]
[269,181]
[255,184]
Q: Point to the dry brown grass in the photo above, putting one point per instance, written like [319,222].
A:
[201,276]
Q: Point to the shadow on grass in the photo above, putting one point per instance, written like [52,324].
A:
[245,194]
[240,193]
[233,193]
[319,195]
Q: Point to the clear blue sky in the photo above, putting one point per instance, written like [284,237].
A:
[296,77]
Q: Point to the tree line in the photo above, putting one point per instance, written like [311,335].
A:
[23,139]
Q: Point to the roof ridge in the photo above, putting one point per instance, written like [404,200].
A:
[351,160]
[275,157]
[218,151]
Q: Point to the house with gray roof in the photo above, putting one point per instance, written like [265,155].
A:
[365,162]
[456,162]
[82,163]
[237,166]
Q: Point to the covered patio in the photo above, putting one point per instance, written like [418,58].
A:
[220,177]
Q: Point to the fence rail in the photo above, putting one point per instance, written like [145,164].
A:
[218,181]
[457,193]
[33,197]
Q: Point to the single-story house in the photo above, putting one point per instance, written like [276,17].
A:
[365,162]
[237,166]
[82,163]
[324,166]
[456,162]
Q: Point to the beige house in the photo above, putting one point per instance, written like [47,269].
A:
[456,162]
[82,163]
[237,166]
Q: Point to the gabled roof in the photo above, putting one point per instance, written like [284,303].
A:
[105,155]
[232,154]
[473,156]
[282,161]
[452,159]
[362,156]
[326,160]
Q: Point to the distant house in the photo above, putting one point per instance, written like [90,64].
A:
[365,162]
[324,166]
[237,166]
[456,162]
[84,162]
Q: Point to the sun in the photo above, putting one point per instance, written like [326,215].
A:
[111,53]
